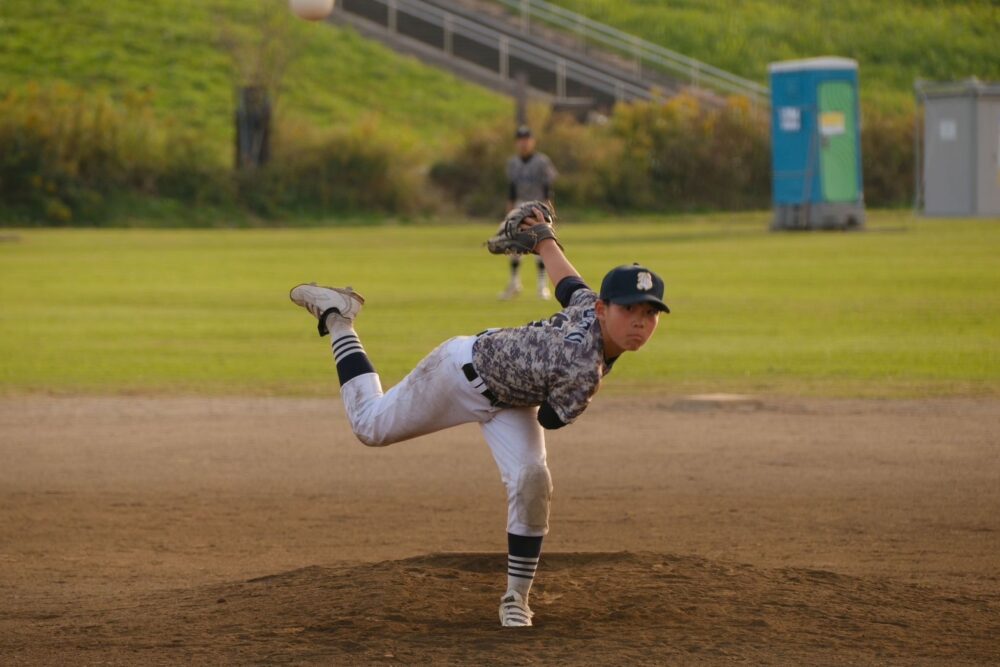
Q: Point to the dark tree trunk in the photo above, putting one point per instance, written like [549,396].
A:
[253,127]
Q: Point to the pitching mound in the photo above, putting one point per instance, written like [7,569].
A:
[591,608]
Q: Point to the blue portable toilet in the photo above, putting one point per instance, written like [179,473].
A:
[816,144]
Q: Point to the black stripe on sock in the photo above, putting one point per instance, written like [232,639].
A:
[352,366]
[347,351]
[343,341]
[522,559]
[520,568]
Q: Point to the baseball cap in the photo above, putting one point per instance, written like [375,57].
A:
[523,132]
[628,284]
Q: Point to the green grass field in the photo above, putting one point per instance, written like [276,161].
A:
[909,308]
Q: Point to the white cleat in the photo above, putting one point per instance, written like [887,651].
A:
[513,289]
[514,611]
[543,292]
[320,300]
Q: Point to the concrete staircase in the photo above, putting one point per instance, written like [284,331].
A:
[533,47]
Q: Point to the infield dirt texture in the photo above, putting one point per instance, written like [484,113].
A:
[178,484]
[256,531]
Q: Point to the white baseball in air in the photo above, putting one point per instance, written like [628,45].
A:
[311,10]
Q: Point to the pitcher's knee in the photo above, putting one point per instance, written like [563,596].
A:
[533,495]
[365,427]
[367,440]
[371,438]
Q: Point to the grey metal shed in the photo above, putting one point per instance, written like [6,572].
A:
[959,173]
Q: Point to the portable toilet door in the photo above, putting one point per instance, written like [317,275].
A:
[961,148]
[838,144]
[816,144]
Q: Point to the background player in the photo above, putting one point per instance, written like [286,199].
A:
[530,175]
[514,382]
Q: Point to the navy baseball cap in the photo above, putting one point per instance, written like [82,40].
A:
[627,284]
[523,132]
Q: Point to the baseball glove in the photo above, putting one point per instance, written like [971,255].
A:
[521,230]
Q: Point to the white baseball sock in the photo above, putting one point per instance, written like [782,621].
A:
[348,352]
[339,325]
[521,574]
[522,561]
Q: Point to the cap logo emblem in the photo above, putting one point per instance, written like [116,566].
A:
[645,281]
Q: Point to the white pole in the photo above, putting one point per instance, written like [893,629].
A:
[504,48]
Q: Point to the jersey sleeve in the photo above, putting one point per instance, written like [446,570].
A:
[548,418]
[568,288]
[550,170]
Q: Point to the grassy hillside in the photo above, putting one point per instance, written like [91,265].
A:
[895,41]
[350,108]
[907,308]
[170,49]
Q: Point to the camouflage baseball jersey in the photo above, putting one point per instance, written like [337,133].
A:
[530,180]
[559,360]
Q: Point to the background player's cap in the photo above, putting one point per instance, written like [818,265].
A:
[626,285]
[523,132]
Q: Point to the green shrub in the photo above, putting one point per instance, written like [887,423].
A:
[589,162]
[64,152]
[659,155]
[678,154]
[474,176]
[66,156]
[587,157]
[355,169]
[689,155]
[887,157]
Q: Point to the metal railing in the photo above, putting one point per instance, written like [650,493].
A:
[639,51]
[564,68]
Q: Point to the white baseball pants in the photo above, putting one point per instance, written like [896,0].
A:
[437,395]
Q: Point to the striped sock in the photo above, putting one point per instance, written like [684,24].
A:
[348,352]
[522,562]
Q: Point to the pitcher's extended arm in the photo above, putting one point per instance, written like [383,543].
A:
[556,264]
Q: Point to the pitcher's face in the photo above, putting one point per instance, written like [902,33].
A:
[626,328]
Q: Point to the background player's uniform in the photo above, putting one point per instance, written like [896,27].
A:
[529,179]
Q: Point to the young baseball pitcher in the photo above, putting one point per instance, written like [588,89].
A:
[514,382]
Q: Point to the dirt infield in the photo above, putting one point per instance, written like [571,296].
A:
[257,531]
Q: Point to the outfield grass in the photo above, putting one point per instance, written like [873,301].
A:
[909,308]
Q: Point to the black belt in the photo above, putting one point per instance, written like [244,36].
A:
[471,375]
